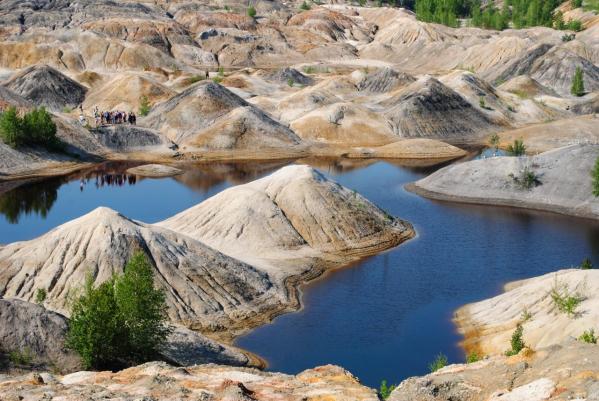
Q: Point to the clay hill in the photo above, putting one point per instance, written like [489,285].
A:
[220,262]
[558,180]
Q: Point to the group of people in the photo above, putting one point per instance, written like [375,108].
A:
[114,117]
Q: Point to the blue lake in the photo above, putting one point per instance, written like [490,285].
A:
[386,317]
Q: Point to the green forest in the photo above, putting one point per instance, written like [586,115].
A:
[513,13]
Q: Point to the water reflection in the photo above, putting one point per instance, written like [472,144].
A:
[36,197]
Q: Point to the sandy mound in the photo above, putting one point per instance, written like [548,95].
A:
[524,86]
[9,98]
[384,80]
[284,75]
[488,325]
[555,134]
[202,285]
[45,86]
[162,382]
[429,109]
[344,124]
[124,92]
[210,116]
[564,175]
[29,328]
[293,213]
[417,148]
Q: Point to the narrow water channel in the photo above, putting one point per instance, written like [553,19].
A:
[386,317]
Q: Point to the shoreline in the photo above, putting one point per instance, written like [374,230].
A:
[507,203]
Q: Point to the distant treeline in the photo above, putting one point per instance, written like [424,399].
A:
[512,14]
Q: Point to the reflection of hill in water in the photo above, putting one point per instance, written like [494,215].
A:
[36,197]
[205,176]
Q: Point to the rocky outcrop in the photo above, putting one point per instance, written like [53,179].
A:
[162,382]
[411,149]
[429,109]
[562,183]
[560,372]
[488,325]
[384,80]
[37,334]
[126,138]
[45,86]
[155,170]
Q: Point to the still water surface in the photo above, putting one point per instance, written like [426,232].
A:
[385,317]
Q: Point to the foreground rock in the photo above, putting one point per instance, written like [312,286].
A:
[161,382]
[411,149]
[560,372]
[36,336]
[488,325]
[32,337]
[228,264]
[563,182]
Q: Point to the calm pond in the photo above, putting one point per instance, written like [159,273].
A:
[386,317]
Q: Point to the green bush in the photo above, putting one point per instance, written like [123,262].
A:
[517,148]
[588,336]
[577,88]
[290,82]
[494,141]
[21,357]
[595,177]
[122,321]
[305,6]
[473,357]
[144,106]
[40,296]
[251,11]
[517,341]
[194,79]
[576,3]
[35,128]
[439,362]
[586,264]
[565,301]
[385,390]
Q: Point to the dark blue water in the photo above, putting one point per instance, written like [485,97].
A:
[386,317]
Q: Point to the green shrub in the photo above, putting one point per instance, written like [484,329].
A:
[144,106]
[385,390]
[574,25]
[40,295]
[517,148]
[21,357]
[305,6]
[588,336]
[309,69]
[595,177]
[576,3]
[290,82]
[568,37]
[494,141]
[525,316]
[473,357]
[517,341]
[221,71]
[35,128]
[565,301]
[194,79]
[586,264]
[577,88]
[217,80]
[251,11]
[122,321]
[439,362]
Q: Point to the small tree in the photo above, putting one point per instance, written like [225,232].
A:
[473,357]
[40,296]
[251,11]
[305,6]
[588,336]
[517,148]
[11,127]
[439,362]
[144,106]
[586,264]
[595,176]
[517,341]
[120,322]
[577,88]
[385,390]
[494,141]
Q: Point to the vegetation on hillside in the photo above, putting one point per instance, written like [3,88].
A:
[34,128]
[386,390]
[122,321]
[517,341]
[577,88]
[595,176]
[514,13]
[439,362]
